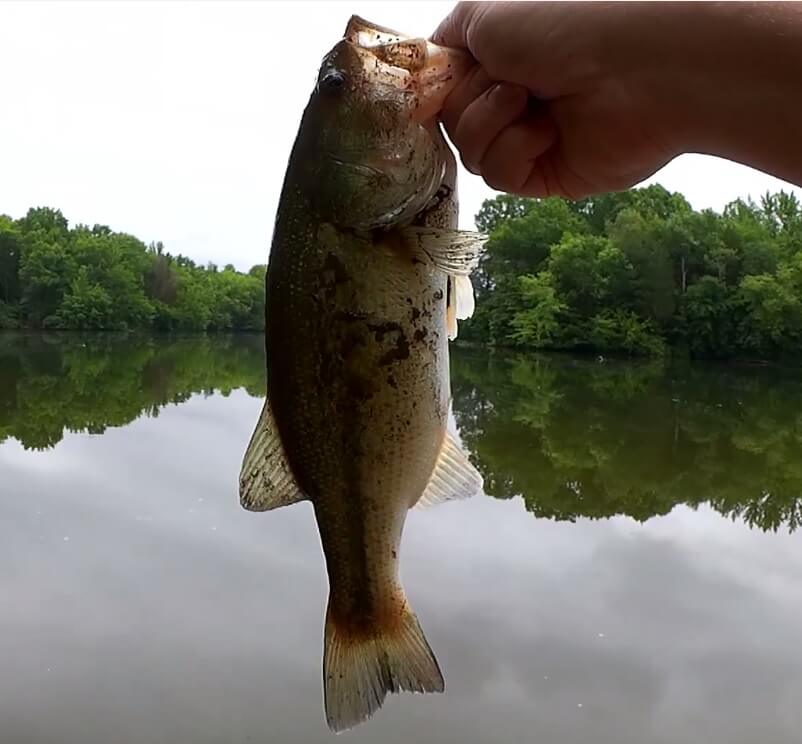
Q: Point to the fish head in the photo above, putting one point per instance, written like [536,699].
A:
[372,145]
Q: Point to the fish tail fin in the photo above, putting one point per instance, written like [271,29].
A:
[360,668]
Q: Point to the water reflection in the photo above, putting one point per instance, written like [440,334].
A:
[76,383]
[583,438]
[573,437]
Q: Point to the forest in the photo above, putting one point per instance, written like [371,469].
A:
[638,273]
[93,278]
[641,273]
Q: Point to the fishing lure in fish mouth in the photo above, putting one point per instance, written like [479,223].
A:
[366,280]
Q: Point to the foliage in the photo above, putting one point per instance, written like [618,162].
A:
[640,272]
[8,316]
[86,278]
[536,323]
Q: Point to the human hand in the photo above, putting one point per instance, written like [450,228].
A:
[620,89]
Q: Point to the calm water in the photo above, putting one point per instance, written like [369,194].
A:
[634,574]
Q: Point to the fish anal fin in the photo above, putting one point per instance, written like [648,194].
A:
[266,481]
[456,252]
[454,476]
[361,666]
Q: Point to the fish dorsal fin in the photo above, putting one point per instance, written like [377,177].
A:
[454,476]
[456,252]
[266,481]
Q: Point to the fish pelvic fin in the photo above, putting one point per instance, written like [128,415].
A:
[266,481]
[454,476]
[360,668]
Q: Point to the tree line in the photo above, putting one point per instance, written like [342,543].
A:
[638,272]
[93,278]
[642,273]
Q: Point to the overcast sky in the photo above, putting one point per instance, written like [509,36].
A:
[174,121]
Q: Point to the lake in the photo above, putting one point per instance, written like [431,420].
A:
[633,575]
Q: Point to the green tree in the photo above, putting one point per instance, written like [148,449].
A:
[773,305]
[709,317]
[86,305]
[10,250]
[46,272]
[644,240]
[54,276]
[574,266]
[503,208]
[640,272]
[536,324]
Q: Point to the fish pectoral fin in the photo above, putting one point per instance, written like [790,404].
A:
[461,302]
[451,309]
[456,252]
[454,476]
[465,301]
[266,481]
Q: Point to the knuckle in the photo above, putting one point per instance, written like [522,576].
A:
[468,135]
[499,179]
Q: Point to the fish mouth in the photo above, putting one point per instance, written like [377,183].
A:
[428,70]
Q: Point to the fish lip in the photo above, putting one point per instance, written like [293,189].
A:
[413,67]
[428,69]
[364,33]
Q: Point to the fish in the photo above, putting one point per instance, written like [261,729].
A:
[367,278]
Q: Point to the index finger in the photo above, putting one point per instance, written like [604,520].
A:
[453,29]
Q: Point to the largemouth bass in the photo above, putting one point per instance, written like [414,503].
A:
[366,279]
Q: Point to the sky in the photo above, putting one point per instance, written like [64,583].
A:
[173,121]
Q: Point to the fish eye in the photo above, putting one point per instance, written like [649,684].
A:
[332,81]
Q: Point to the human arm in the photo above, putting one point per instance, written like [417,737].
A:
[622,89]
